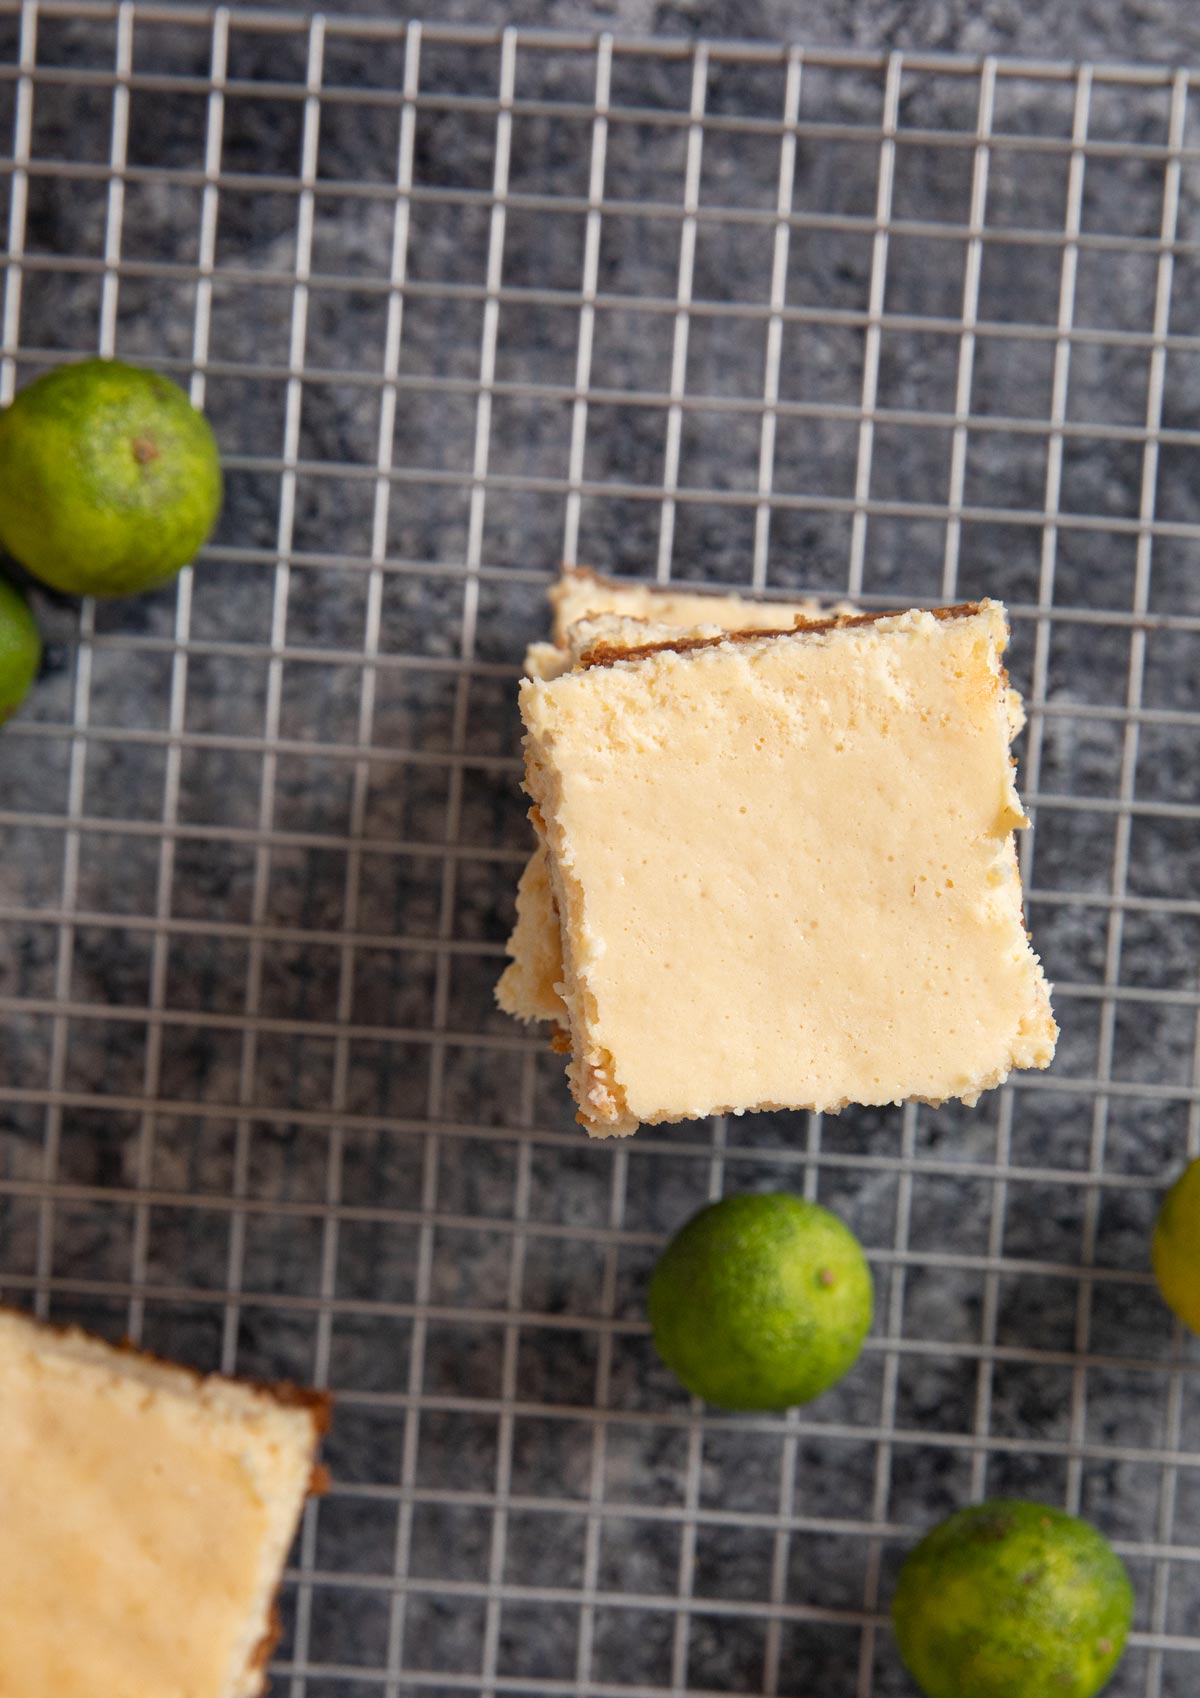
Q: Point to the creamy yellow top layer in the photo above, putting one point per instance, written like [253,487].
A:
[785,871]
[139,1522]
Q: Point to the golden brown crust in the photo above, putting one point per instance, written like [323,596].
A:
[607,654]
[261,1656]
[265,1649]
[318,1485]
[291,1396]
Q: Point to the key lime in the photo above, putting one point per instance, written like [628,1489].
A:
[1176,1247]
[109,478]
[760,1302]
[20,650]
[1012,1600]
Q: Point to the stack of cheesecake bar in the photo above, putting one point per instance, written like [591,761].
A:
[775,864]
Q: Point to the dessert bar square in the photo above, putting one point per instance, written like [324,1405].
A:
[784,869]
[146,1516]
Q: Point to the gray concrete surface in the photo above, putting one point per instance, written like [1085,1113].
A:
[1153,31]
[259,1119]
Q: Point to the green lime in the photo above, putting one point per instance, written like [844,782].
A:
[1176,1247]
[1012,1600]
[109,478]
[20,650]
[760,1302]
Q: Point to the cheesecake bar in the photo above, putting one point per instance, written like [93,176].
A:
[145,1516]
[528,987]
[784,869]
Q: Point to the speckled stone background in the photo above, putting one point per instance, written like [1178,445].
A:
[255,1102]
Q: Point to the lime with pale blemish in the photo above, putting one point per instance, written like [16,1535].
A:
[1010,1599]
[20,650]
[110,479]
[761,1302]
[1176,1247]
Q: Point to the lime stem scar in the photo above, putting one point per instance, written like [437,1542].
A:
[144,450]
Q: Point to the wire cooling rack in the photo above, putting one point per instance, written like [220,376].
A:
[460,303]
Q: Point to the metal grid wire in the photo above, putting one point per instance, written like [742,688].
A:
[460,302]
